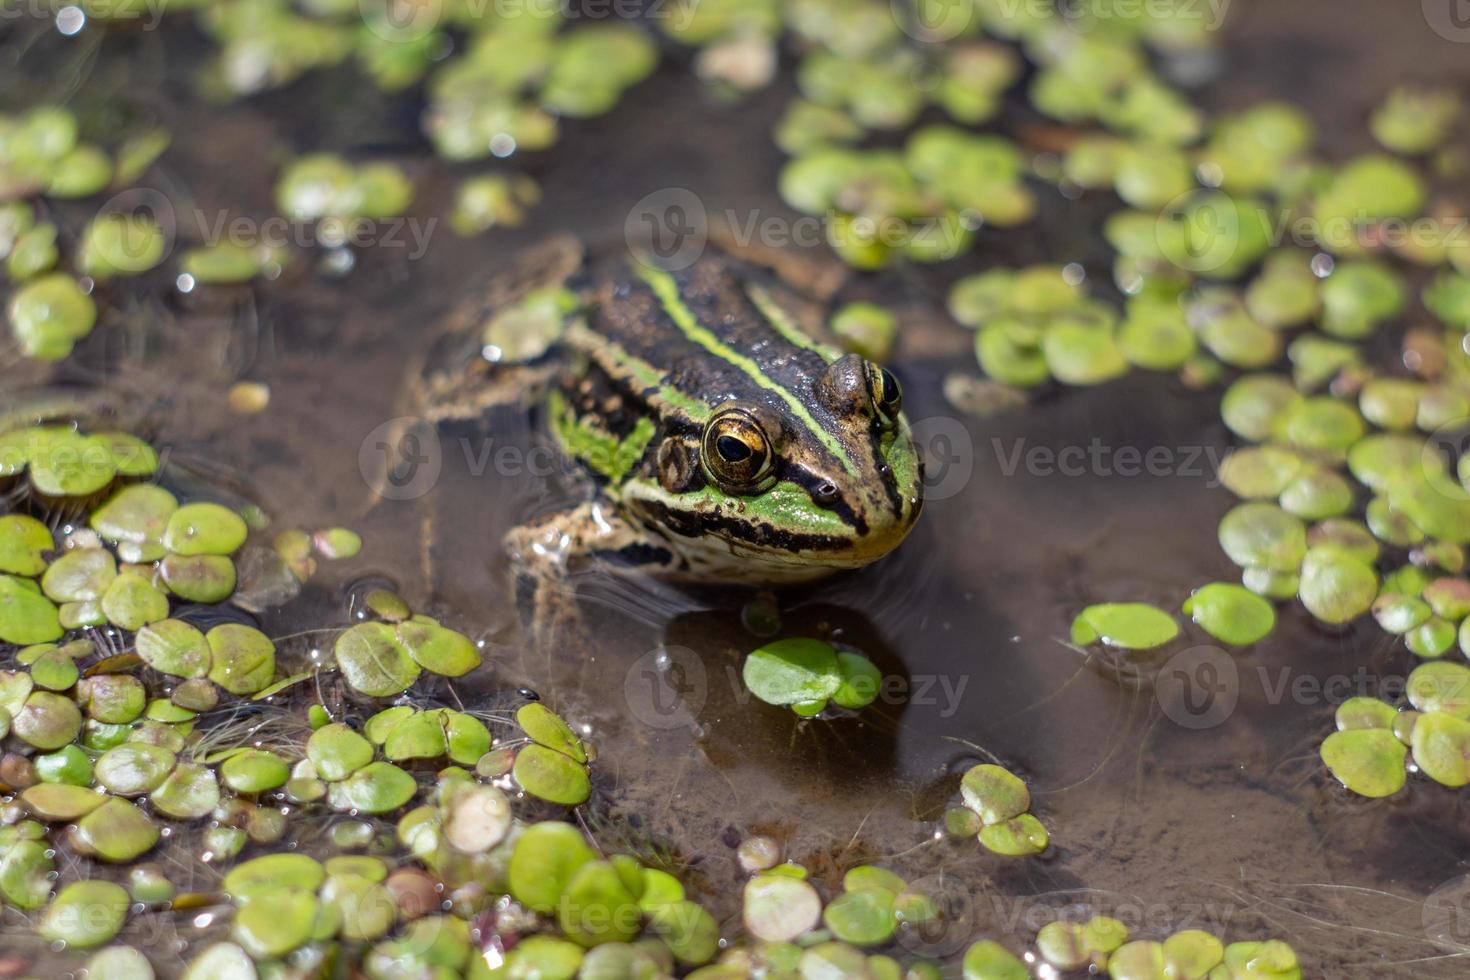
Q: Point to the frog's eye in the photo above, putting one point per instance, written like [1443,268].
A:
[887,395]
[736,451]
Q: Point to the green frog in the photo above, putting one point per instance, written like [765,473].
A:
[723,440]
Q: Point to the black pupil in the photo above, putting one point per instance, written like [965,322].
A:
[732,450]
[890,388]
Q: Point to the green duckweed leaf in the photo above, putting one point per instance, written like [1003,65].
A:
[792,670]
[23,544]
[85,914]
[374,661]
[1018,837]
[546,727]
[1231,613]
[1129,625]
[542,863]
[204,529]
[1368,761]
[779,909]
[243,659]
[994,793]
[552,776]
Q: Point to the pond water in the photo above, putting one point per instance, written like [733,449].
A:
[1176,796]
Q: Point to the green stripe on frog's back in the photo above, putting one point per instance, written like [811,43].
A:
[737,357]
[781,320]
[648,383]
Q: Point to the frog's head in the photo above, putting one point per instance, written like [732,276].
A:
[796,482]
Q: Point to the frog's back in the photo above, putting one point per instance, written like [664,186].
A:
[690,340]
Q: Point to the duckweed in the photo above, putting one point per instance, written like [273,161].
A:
[1231,613]
[1127,625]
[1368,761]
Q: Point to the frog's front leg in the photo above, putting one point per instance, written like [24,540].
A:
[546,556]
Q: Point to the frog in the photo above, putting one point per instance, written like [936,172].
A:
[720,436]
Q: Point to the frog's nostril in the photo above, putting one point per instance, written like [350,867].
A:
[825,494]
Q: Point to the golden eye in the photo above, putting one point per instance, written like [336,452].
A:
[887,395]
[736,452]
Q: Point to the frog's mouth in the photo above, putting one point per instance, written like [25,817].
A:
[742,545]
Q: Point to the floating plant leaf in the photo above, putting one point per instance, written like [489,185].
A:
[60,802]
[366,908]
[243,659]
[50,314]
[379,787]
[1231,613]
[261,875]
[187,793]
[421,736]
[117,831]
[119,963]
[792,670]
[438,650]
[1368,761]
[205,579]
[254,771]
[26,616]
[552,776]
[1364,712]
[1018,837]
[778,908]
[337,751]
[863,917]
[25,873]
[134,768]
[994,793]
[1256,407]
[597,906]
[204,529]
[136,514]
[23,544]
[1129,625]
[1264,536]
[477,818]
[544,859]
[861,681]
[1441,744]
[989,960]
[546,727]
[47,722]
[84,914]
[374,661]
[1337,588]
[174,647]
[275,922]
[221,961]
[132,601]
[80,575]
